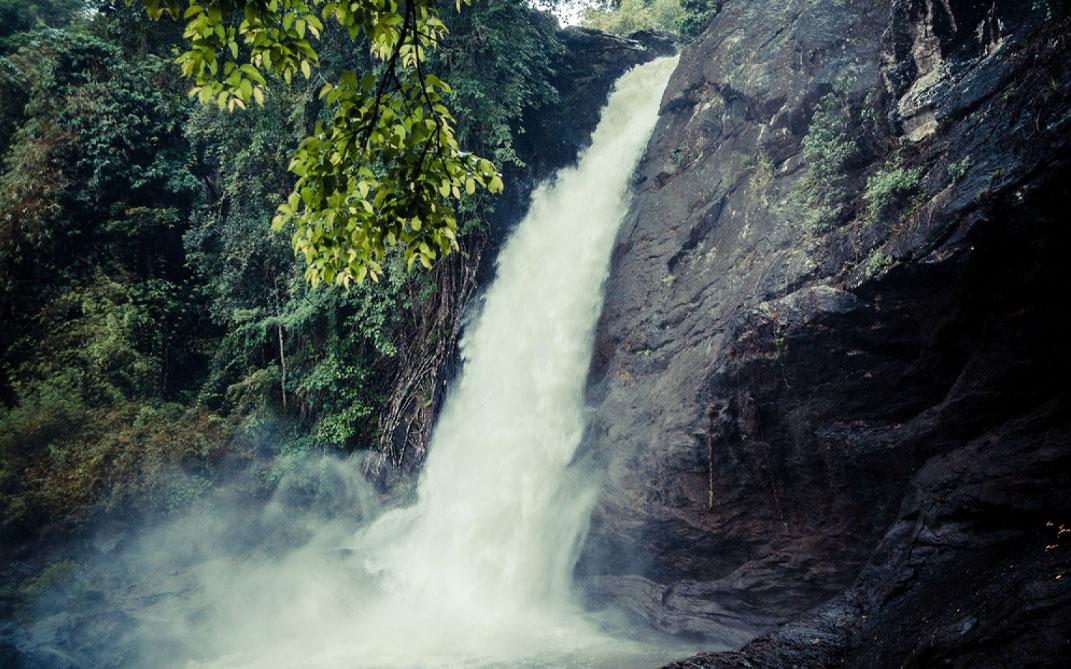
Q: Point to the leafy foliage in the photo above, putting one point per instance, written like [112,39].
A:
[628,16]
[683,17]
[385,169]
[285,345]
[960,168]
[835,143]
[94,179]
[829,146]
[157,456]
[877,262]
[697,14]
[499,58]
[99,312]
[890,187]
[19,15]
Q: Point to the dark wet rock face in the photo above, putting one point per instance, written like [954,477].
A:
[854,423]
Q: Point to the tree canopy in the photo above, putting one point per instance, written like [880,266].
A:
[383,169]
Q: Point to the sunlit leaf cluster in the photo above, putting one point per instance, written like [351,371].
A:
[385,169]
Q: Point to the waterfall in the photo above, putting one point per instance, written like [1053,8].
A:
[498,517]
[477,571]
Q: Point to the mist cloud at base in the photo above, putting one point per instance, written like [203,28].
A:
[233,582]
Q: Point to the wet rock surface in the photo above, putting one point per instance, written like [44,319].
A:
[856,430]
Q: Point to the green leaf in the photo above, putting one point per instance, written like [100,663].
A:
[382,152]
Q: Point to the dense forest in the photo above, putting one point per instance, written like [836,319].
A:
[153,328]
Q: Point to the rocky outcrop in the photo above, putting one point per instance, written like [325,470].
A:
[828,384]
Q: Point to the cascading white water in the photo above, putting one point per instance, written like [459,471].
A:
[498,518]
[476,572]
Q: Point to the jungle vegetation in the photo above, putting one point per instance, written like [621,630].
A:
[152,327]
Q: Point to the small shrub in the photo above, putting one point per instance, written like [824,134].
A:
[832,148]
[890,187]
[822,218]
[762,175]
[959,169]
[877,262]
[182,489]
[829,146]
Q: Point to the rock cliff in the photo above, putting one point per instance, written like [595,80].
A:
[829,386]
